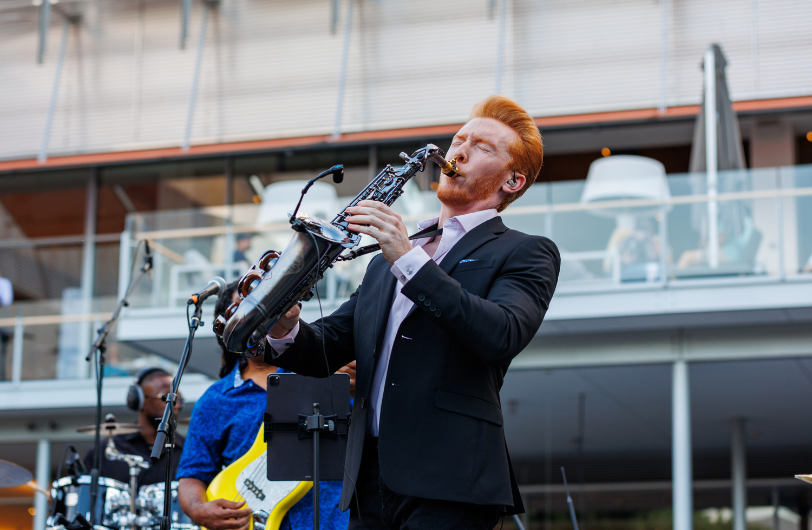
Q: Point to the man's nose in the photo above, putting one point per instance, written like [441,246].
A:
[461,154]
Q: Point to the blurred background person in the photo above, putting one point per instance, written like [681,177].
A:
[243,245]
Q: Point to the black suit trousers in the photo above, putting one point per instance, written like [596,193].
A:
[376,507]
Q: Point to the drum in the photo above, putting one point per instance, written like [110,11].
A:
[71,496]
[150,507]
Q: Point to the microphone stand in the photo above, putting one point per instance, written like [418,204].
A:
[165,437]
[99,347]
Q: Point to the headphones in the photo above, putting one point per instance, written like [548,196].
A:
[135,394]
[512,181]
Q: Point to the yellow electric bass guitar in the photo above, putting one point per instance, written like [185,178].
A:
[246,480]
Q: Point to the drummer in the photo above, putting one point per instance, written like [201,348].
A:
[144,397]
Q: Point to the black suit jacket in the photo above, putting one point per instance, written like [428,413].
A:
[441,434]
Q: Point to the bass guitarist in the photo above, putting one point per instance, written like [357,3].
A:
[224,424]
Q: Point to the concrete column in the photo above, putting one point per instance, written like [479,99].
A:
[44,482]
[681,460]
[738,473]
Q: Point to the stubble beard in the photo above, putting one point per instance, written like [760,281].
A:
[474,189]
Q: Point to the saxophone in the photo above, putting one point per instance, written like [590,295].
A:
[278,281]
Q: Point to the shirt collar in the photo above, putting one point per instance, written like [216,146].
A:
[239,381]
[468,221]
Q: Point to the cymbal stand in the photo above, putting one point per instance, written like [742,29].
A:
[136,464]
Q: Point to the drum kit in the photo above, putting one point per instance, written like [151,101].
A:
[119,506]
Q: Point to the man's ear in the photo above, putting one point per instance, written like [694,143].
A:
[515,183]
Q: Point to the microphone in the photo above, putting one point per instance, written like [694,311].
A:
[216,285]
[337,171]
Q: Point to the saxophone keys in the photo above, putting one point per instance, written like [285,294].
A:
[230,310]
[219,326]
[267,261]
[248,282]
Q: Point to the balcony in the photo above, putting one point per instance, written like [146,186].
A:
[636,264]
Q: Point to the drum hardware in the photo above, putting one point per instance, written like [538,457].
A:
[112,428]
[12,475]
[136,463]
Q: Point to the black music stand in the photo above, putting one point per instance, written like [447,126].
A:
[307,421]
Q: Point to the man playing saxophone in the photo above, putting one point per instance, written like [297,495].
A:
[434,327]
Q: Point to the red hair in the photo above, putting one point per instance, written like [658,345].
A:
[527,151]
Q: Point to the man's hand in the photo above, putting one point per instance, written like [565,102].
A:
[349,369]
[221,514]
[218,514]
[286,323]
[378,220]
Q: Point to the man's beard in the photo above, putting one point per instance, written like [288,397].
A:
[474,189]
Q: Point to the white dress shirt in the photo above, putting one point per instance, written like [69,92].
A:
[404,270]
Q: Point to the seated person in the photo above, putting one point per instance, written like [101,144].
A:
[224,424]
[732,247]
[144,396]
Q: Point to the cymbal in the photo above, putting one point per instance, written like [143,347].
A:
[805,478]
[111,429]
[12,475]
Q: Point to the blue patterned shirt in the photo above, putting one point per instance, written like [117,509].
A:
[224,424]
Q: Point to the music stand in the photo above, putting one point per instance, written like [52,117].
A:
[307,421]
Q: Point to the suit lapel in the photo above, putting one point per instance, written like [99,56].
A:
[487,231]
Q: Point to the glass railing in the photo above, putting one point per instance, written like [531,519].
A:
[50,340]
[761,233]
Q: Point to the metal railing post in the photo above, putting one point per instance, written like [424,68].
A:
[342,78]
[779,212]
[17,349]
[49,119]
[190,113]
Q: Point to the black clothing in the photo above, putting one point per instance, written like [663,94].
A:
[440,430]
[383,509]
[135,444]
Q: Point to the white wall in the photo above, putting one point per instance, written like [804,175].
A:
[271,68]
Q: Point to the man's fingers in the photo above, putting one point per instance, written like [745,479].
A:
[234,524]
[378,206]
[235,514]
[230,504]
[368,220]
[293,312]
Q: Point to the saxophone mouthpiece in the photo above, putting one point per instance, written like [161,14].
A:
[448,167]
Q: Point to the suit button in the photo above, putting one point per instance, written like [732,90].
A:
[426,302]
[363,403]
[433,307]
[421,297]
[438,313]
